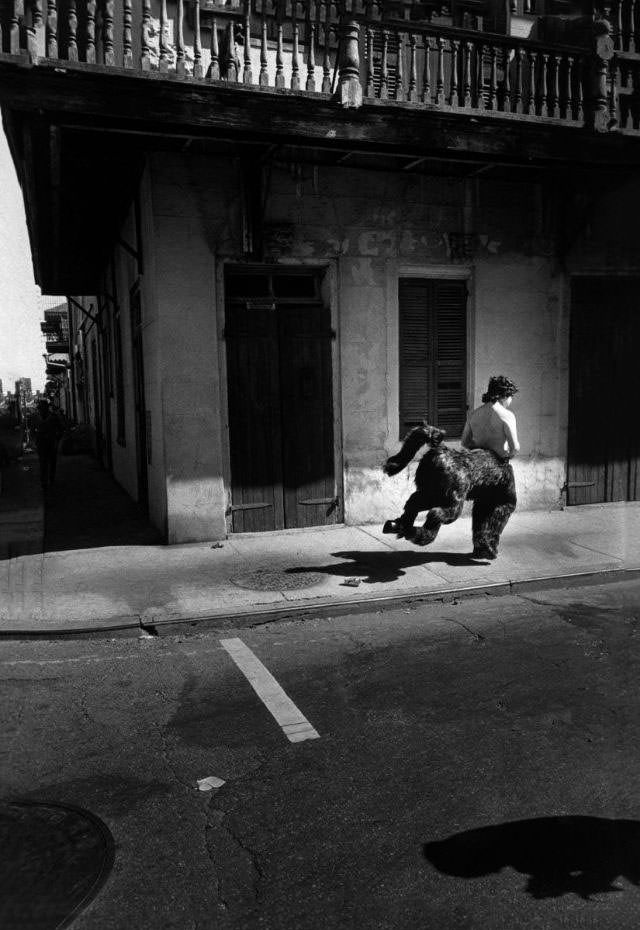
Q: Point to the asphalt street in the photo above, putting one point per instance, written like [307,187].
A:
[465,765]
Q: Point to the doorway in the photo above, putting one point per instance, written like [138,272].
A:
[604,386]
[280,395]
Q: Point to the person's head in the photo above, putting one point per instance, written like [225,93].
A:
[500,389]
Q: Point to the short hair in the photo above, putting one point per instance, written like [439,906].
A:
[499,386]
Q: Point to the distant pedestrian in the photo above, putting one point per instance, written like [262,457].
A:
[48,433]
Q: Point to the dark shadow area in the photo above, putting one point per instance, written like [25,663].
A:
[85,509]
[55,859]
[561,855]
[383,567]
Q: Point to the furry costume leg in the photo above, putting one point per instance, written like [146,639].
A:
[435,518]
[492,508]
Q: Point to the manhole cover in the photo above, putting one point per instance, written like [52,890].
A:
[54,861]
[265,579]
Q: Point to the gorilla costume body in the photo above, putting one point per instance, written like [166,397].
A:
[444,479]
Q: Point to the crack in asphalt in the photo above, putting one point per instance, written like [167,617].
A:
[477,636]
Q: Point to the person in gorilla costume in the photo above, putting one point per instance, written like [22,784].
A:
[479,472]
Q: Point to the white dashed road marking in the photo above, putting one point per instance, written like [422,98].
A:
[294,724]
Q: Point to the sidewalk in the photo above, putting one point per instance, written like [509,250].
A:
[101,568]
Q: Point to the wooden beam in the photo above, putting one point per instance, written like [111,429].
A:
[148,102]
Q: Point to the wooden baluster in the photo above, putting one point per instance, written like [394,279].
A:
[400,92]
[52,29]
[554,96]
[632,28]
[544,109]
[247,73]
[440,73]
[145,38]
[370,90]
[311,57]
[613,94]
[17,15]
[231,67]
[163,63]
[579,91]
[295,63]
[569,108]
[107,32]
[517,95]
[90,31]
[326,58]
[413,74]
[493,80]
[426,74]
[629,122]
[454,100]
[72,25]
[349,93]
[263,80]
[279,59]
[531,96]
[36,41]
[384,67]
[198,67]
[618,39]
[214,68]
[127,42]
[466,76]
[514,6]
[179,39]
[528,6]
[480,53]
[506,90]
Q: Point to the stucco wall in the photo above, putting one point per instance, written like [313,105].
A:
[189,379]
[370,227]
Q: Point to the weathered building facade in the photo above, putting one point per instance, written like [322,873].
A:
[289,233]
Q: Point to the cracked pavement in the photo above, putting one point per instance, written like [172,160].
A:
[434,720]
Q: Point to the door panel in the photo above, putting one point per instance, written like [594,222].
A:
[280,402]
[604,442]
[254,422]
[307,416]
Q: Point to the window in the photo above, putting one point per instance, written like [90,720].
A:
[433,354]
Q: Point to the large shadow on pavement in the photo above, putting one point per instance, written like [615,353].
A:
[383,567]
[561,855]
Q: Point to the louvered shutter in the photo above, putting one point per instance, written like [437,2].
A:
[433,351]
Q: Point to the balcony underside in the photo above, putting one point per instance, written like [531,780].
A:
[79,136]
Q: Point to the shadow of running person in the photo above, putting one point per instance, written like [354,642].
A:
[561,855]
[382,567]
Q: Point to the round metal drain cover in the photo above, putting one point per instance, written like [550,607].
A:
[55,859]
[265,579]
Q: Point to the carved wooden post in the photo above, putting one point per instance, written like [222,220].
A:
[198,70]
[72,34]
[90,32]
[107,32]
[127,41]
[597,115]
[17,16]
[145,38]
[52,29]
[349,93]
[36,45]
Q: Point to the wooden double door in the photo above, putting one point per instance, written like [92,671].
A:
[280,394]
[604,391]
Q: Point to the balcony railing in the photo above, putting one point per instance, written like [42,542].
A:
[351,49]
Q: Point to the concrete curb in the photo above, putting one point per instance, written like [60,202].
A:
[132,626]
